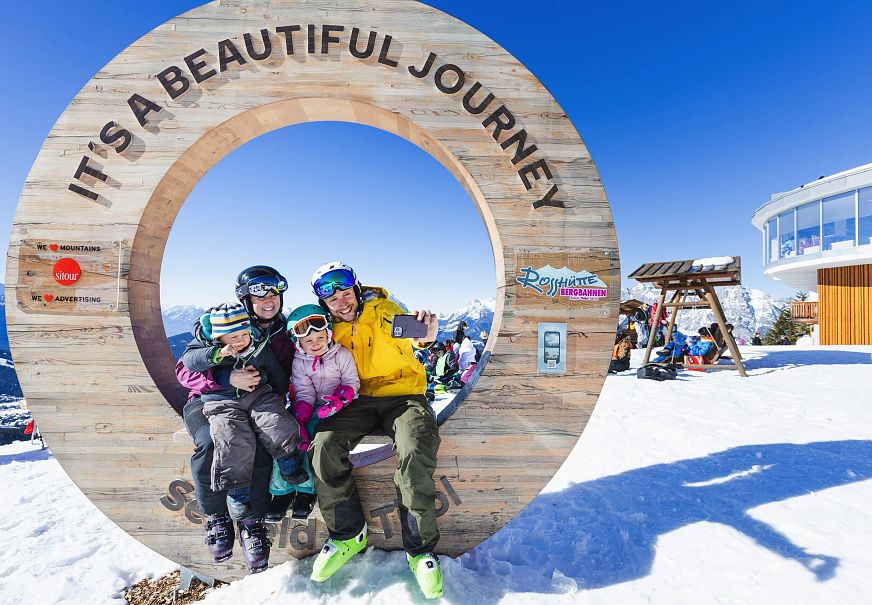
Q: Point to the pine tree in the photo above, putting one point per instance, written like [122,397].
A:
[784,327]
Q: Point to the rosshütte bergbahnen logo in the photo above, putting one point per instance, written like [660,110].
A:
[66,271]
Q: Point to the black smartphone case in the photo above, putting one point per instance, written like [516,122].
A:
[407,326]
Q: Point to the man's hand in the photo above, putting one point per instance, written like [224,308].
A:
[246,379]
[432,324]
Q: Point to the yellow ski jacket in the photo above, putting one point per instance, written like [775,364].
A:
[387,366]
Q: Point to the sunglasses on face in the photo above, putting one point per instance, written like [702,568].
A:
[313,323]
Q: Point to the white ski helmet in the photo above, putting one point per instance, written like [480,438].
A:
[333,276]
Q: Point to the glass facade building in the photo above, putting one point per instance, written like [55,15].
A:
[835,222]
[817,238]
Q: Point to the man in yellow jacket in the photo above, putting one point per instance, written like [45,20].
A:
[392,398]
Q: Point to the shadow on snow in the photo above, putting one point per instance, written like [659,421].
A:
[603,532]
[805,357]
[26,456]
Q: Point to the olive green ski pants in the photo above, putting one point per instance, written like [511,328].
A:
[409,421]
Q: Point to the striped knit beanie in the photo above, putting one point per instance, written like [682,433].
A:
[227,319]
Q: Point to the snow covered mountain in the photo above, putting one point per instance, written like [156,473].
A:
[747,309]
[178,319]
[13,419]
[478,315]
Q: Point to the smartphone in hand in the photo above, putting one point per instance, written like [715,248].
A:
[408,326]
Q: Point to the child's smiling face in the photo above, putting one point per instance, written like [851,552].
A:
[315,342]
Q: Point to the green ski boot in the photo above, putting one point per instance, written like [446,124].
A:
[428,573]
[335,554]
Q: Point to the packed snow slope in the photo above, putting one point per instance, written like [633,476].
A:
[709,489]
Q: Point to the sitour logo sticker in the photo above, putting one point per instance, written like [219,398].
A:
[563,282]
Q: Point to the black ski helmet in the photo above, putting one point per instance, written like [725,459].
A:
[259,274]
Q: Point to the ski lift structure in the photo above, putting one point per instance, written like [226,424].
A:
[690,284]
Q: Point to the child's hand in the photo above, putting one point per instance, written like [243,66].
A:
[302,411]
[340,398]
[226,351]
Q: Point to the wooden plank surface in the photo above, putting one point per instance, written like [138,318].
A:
[844,304]
[99,383]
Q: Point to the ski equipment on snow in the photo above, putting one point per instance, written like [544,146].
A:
[653,371]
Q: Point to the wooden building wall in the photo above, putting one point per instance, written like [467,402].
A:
[845,305]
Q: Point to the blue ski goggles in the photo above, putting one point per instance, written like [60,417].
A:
[261,286]
[338,279]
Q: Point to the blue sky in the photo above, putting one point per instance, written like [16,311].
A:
[694,114]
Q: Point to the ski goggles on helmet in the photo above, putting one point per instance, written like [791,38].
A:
[338,279]
[312,323]
[261,286]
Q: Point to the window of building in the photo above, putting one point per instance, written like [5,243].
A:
[772,244]
[838,224]
[808,228]
[786,235]
[864,222]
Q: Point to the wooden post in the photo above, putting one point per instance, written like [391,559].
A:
[722,324]
[651,339]
[677,298]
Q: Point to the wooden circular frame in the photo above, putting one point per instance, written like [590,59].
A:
[113,173]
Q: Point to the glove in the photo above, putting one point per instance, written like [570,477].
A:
[341,397]
[302,411]
[303,445]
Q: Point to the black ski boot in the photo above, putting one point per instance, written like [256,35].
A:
[303,505]
[278,507]
[255,544]
[219,536]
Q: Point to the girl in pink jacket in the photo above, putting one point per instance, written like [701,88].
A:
[324,380]
[323,374]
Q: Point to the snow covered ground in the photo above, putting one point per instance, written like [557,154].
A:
[707,489]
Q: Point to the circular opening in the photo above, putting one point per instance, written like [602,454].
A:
[297,197]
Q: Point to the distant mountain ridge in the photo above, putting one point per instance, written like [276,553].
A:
[478,315]
[179,319]
[747,309]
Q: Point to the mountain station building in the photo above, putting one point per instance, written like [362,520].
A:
[818,238]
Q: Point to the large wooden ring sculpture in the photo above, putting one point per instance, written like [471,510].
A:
[84,262]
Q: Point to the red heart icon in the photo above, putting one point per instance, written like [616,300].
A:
[53,247]
[48,298]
